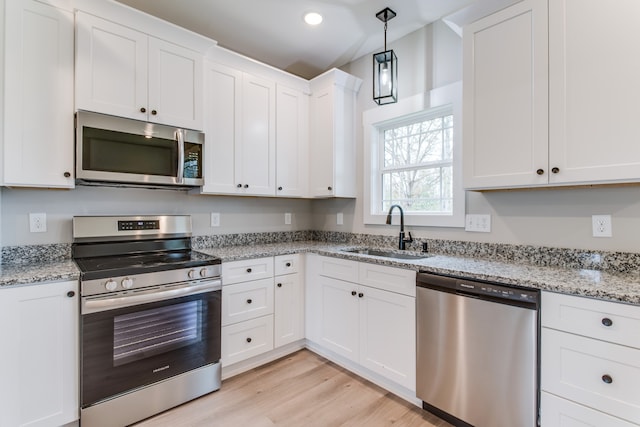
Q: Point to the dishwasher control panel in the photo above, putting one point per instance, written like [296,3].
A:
[500,291]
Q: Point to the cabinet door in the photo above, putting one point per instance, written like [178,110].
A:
[175,85]
[256,156]
[387,335]
[39,357]
[292,130]
[321,148]
[339,317]
[289,309]
[111,68]
[558,412]
[38,113]
[594,90]
[505,98]
[223,128]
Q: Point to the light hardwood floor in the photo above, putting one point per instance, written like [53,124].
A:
[302,389]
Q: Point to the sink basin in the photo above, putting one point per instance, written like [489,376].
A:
[385,253]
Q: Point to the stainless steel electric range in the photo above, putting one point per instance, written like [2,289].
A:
[150,317]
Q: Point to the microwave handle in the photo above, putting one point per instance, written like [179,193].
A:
[180,141]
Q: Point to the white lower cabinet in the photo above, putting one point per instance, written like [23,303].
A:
[368,325]
[39,357]
[590,362]
[260,311]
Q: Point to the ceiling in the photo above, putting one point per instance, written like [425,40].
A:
[274,32]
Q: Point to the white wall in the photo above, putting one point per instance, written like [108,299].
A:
[237,214]
[432,57]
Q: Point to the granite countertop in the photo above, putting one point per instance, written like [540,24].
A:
[619,287]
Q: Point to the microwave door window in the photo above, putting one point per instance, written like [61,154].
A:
[109,151]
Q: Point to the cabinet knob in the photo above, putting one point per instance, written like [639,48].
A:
[329,188]
[279,188]
[288,264]
[143,110]
[540,171]
[249,301]
[607,379]
[353,293]
[154,112]
[248,270]
[607,322]
[71,294]
[239,185]
[360,295]
[555,170]
[246,186]
[279,285]
[248,339]
[67,174]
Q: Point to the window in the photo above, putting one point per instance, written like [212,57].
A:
[416,164]
[413,159]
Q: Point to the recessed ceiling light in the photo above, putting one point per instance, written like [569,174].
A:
[313,18]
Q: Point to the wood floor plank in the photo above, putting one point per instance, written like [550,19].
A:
[302,389]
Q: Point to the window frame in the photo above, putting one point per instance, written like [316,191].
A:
[429,104]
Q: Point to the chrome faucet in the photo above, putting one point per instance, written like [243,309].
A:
[402,241]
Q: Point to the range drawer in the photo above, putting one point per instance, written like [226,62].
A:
[558,412]
[244,301]
[599,375]
[246,339]
[287,264]
[245,270]
[609,321]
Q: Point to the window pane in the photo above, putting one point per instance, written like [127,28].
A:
[418,143]
[422,190]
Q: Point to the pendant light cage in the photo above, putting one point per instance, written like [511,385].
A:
[385,67]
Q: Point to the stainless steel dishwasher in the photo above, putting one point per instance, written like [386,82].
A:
[477,351]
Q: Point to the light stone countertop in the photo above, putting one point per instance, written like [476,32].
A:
[590,283]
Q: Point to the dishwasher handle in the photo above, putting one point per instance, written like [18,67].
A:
[485,290]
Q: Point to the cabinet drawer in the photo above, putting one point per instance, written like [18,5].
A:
[590,317]
[337,268]
[599,375]
[245,270]
[246,339]
[558,412]
[244,301]
[388,278]
[286,264]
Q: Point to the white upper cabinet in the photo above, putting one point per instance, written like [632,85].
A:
[505,119]
[240,133]
[332,162]
[126,73]
[38,99]
[550,94]
[292,142]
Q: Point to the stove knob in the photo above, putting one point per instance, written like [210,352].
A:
[127,283]
[204,272]
[192,274]
[111,285]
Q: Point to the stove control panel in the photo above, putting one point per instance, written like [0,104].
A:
[139,225]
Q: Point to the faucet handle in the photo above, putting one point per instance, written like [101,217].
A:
[410,239]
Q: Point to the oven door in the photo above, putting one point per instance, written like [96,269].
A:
[132,346]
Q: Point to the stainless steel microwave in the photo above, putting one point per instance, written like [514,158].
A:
[115,149]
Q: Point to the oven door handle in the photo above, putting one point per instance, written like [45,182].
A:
[98,304]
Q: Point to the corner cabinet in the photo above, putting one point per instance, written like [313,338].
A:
[240,133]
[38,100]
[124,72]
[332,161]
[39,361]
[548,101]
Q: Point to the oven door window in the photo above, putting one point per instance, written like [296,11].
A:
[132,347]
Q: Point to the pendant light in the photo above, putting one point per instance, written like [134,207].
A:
[385,67]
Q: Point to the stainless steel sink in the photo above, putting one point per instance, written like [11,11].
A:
[385,253]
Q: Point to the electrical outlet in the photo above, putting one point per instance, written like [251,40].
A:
[340,219]
[37,222]
[478,223]
[287,219]
[601,225]
[215,219]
